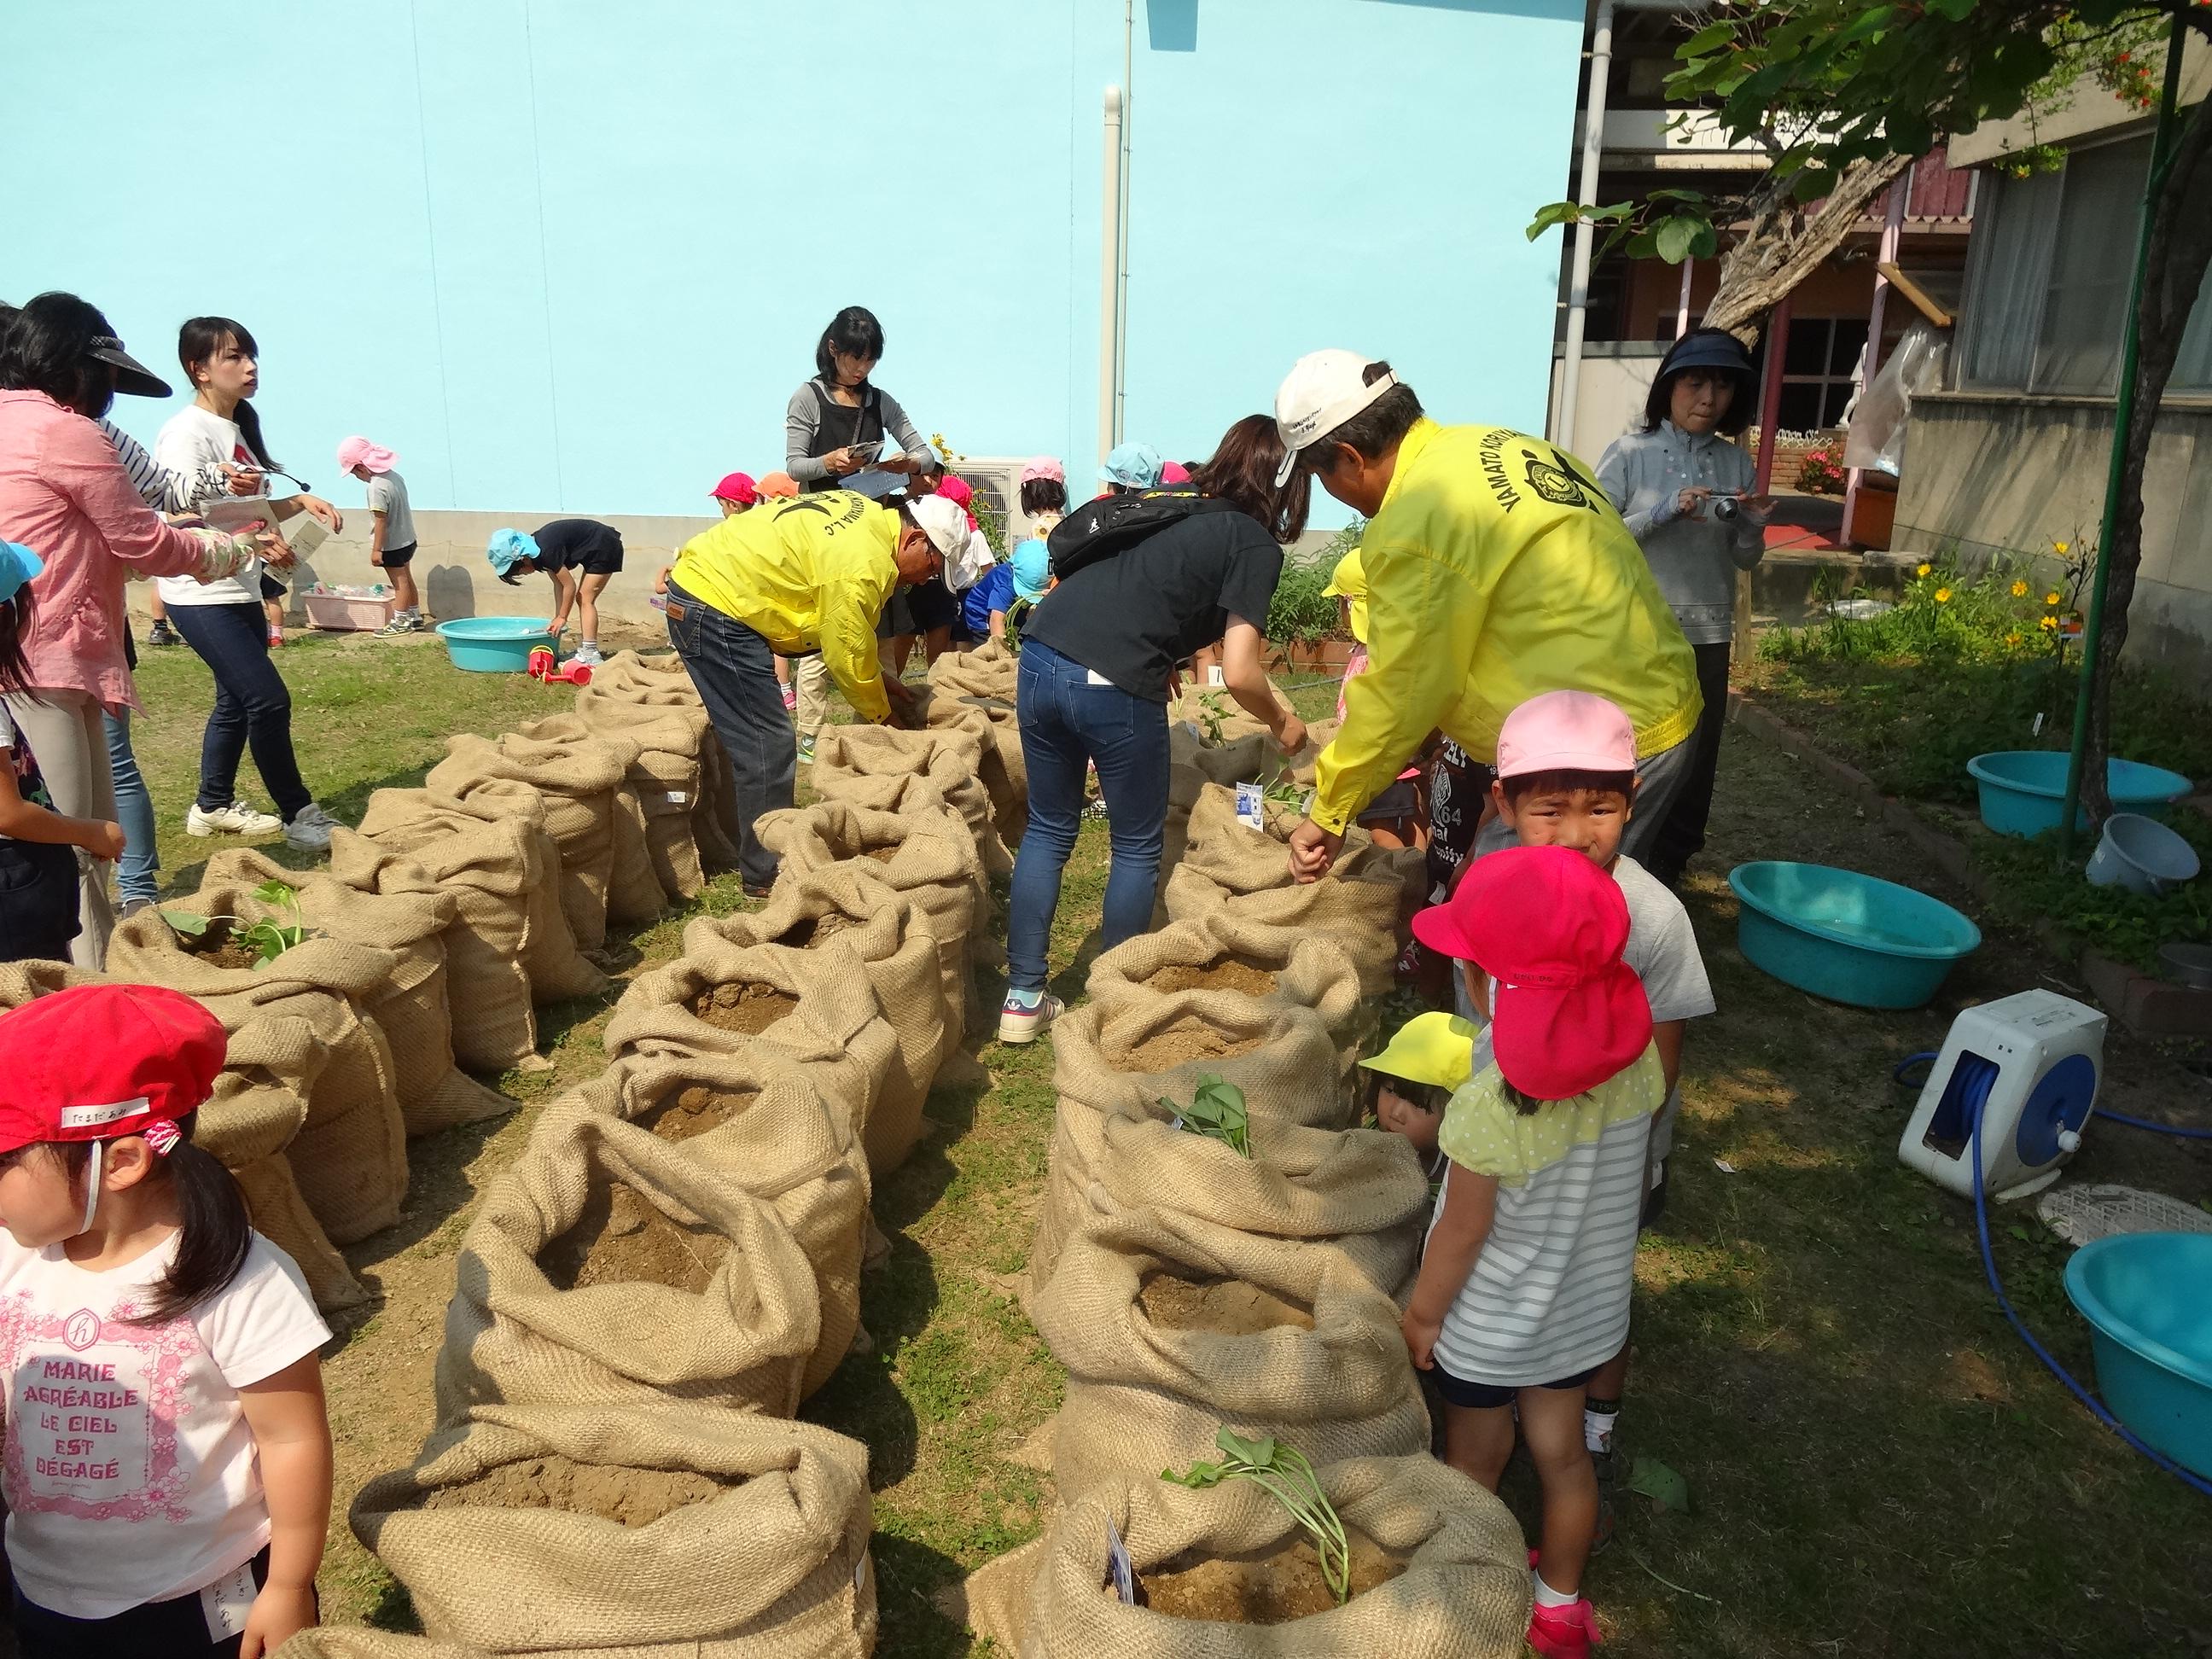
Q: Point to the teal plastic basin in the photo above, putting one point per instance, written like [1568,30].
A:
[494,645]
[2150,1327]
[2023,790]
[1847,936]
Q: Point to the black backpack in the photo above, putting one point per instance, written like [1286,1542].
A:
[1114,524]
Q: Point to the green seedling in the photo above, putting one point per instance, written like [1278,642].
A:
[1284,1472]
[1217,1111]
[267,939]
[1212,716]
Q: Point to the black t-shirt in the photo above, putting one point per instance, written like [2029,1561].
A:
[1133,617]
[584,545]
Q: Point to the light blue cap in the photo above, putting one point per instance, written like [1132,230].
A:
[508,549]
[18,564]
[1137,465]
[1031,564]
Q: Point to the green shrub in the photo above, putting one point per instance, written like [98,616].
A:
[1301,613]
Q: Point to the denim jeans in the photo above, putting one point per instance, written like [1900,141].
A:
[1068,722]
[252,706]
[135,871]
[735,671]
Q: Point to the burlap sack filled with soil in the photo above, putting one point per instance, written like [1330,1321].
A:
[350,1154]
[608,1265]
[576,781]
[357,1642]
[1362,906]
[1438,1571]
[634,894]
[658,1527]
[1168,1335]
[982,684]
[950,758]
[411,1007]
[757,1120]
[665,777]
[1223,954]
[663,682]
[928,856]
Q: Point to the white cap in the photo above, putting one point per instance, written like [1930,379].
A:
[1323,390]
[945,523]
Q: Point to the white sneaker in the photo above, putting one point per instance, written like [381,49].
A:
[589,655]
[235,819]
[1020,1025]
[311,831]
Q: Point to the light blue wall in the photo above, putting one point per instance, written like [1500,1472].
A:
[566,256]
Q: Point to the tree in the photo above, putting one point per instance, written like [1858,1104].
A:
[1836,90]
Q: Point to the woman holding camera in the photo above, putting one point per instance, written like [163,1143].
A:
[1683,489]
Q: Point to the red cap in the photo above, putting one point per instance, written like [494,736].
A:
[98,1061]
[957,491]
[738,487]
[1548,927]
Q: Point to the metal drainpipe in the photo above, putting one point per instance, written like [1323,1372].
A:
[1109,277]
[1562,425]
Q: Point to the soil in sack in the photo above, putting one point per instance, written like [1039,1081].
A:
[748,1008]
[216,948]
[1225,974]
[1187,1040]
[621,1238]
[1268,1590]
[694,1111]
[1230,1306]
[633,1498]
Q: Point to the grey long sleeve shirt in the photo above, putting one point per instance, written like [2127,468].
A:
[1695,559]
[802,421]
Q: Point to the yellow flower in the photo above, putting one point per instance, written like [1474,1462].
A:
[1923,570]
[2048,624]
[2052,598]
[2060,547]
[2013,638]
[1942,596]
[2019,590]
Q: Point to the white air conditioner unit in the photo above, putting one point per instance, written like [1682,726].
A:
[2027,1066]
[997,479]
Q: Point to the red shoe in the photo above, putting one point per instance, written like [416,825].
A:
[1568,1632]
[275,637]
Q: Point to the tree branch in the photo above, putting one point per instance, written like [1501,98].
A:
[1782,244]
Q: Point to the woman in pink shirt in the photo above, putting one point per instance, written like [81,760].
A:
[64,494]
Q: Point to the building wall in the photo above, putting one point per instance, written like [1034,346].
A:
[572,258]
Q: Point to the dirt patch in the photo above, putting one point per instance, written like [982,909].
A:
[749,1007]
[1230,1306]
[884,855]
[217,947]
[694,1111]
[621,1238]
[635,1498]
[1227,974]
[1187,1040]
[1268,1590]
[806,935]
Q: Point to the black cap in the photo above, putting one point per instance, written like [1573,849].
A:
[132,376]
[1706,348]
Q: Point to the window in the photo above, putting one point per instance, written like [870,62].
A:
[1816,371]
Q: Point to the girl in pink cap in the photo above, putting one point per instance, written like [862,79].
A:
[392,535]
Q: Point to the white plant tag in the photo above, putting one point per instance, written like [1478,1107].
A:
[1120,1573]
[678,798]
[1251,807]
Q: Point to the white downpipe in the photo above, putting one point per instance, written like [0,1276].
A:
[1128,174]
[1563,421]
[1110,281]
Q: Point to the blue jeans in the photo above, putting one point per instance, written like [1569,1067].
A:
[252,705]
[1069,723]
[134,809]
[735,673]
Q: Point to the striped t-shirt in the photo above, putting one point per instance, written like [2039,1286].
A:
[1548,1297]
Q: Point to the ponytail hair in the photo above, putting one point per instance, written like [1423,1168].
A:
[15,619]
[198,341]
[215,1233]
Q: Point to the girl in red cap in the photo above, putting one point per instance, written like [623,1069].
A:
[1524,1287]
[166,1457]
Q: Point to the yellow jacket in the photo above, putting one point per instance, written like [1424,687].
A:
[1497,569]
[806,572]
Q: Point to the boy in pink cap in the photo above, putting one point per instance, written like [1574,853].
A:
[392,533]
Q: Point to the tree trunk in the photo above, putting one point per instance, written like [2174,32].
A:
[1782,244]
[2174,263]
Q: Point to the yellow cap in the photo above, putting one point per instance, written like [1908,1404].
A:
[1349,582]
[1436,1048]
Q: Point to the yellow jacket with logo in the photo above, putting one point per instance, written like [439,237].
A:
[1497,569]
[809,572]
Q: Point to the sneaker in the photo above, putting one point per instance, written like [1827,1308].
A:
[790,699]
[311,830]
[132,906]
[275,638]
[1568,1632]
[235,819]
[806,751]
[1018,1023]
[588,656]
[160,633]
[405,622]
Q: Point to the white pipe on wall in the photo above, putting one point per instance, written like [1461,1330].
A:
[1109,279]
[1563,418]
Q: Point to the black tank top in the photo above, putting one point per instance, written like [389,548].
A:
[836,426]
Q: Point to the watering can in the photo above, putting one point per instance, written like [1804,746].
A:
[546,669]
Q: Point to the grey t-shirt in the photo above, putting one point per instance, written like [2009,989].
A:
[388,494]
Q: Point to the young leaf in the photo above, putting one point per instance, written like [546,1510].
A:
[185,922]
[1665,1488]
[276,892]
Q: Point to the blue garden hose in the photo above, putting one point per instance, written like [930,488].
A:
[1976,1076]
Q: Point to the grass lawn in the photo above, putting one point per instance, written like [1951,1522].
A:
[1878,1467]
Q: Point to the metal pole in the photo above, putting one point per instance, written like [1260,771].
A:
[1122,275]
[1563,423]
[2123,409]
[1109,276]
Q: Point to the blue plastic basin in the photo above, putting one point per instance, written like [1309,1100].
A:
[2150,1326]
[1847,936]
[494,645]
[2024,790]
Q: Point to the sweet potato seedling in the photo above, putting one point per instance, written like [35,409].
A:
[1283,1472]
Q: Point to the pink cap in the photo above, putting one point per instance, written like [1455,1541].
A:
[1565,731]
[1175,472]
[1043,466]
[739,488]
[359,452]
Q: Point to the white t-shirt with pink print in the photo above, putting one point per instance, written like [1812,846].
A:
[131,1474]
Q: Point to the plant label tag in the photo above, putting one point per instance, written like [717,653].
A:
[1213,676]
[678,798]
[225,1603]
[1251,807]
[1176,1121]
[1119,1574]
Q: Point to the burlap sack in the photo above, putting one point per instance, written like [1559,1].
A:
[634,895]
[1106,1060]
[661,682]
[966,686]
[357,1642]
[665,777]
[411,1005]
[350,1154]
[1295,1345]
[773,1567]
[949,758]
[929,857]
[1224,955]
[524,1329]
[576,781]
[494,844]
[777,1140]
[1362,906]
[1464,1592]
[270,1064]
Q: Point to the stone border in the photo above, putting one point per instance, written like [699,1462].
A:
[2145,1004]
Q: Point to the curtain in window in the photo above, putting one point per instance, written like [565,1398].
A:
[2100,212]
[2192,370]
[2015,224]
